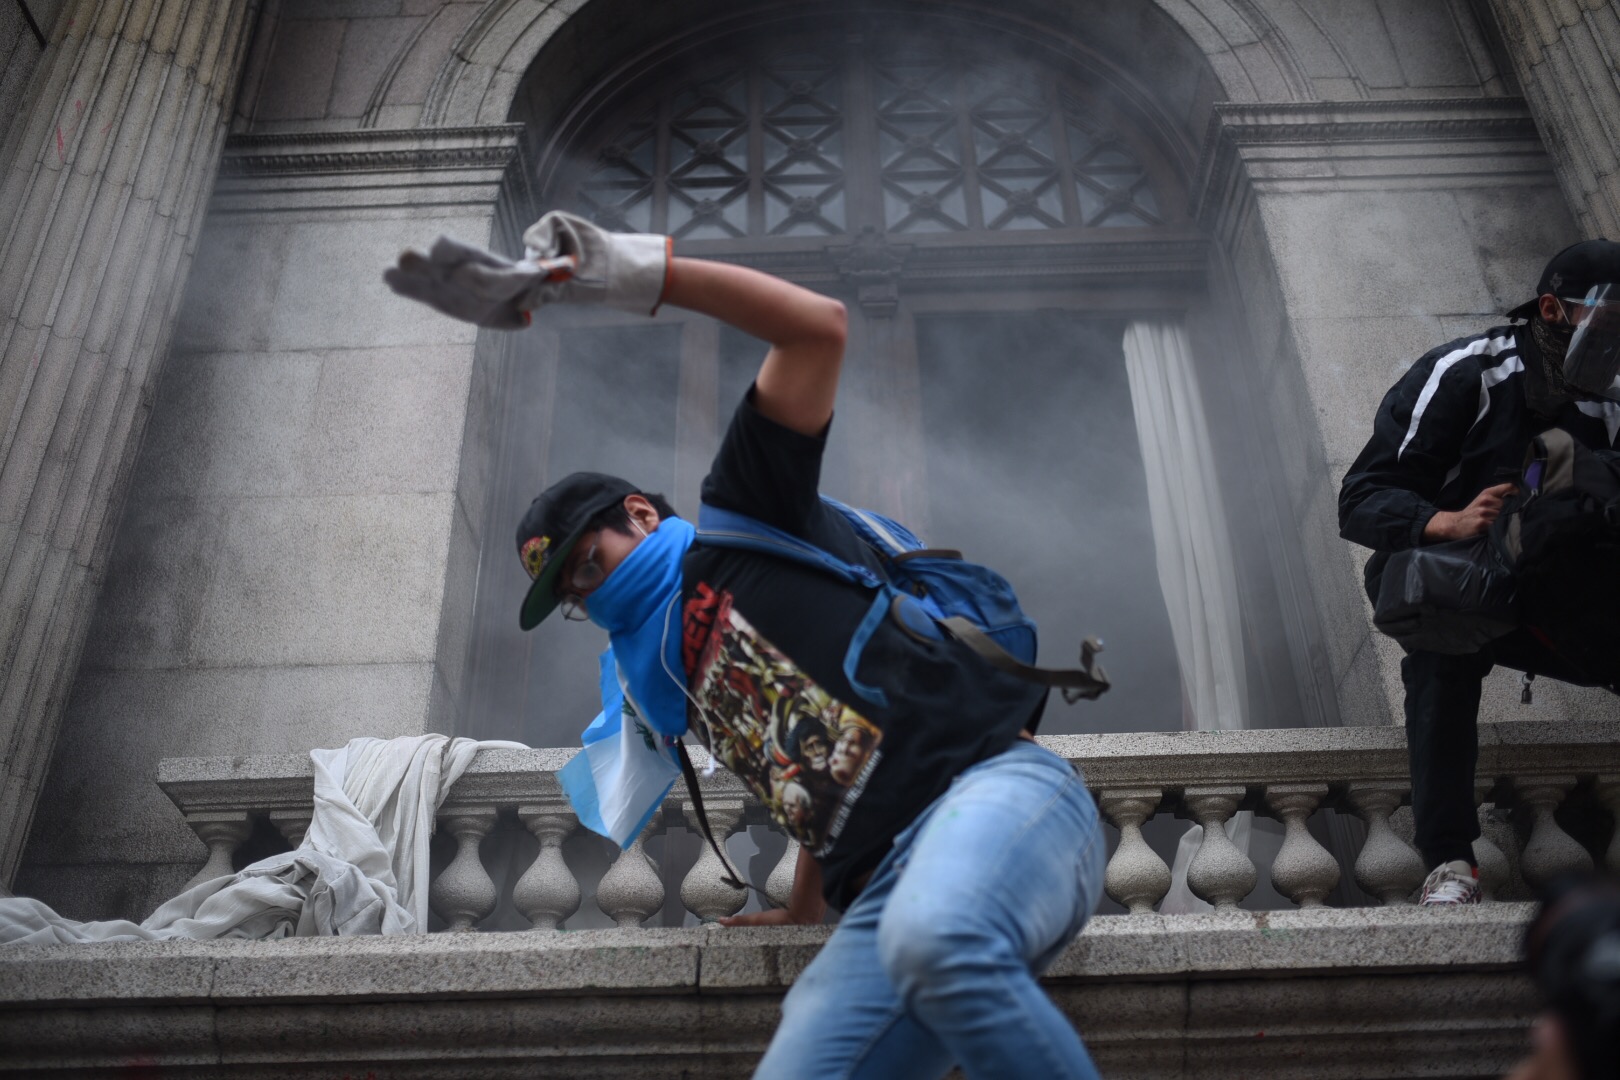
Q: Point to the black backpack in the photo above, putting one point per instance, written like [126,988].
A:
[1453,597]
[1560,537]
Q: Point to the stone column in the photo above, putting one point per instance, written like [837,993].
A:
[1565,53]
[104,175]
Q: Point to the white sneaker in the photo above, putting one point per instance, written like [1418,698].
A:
[1450,883]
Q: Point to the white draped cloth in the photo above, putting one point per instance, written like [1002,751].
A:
[361,869]
[1193,550]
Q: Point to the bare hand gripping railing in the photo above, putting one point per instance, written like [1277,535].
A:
[1528,768]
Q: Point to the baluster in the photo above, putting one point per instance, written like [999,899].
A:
[1608,792]
[547,892]
[1498,826]
[464,894]
[779,886]
[292,824]
[1494,871]
[1136,876]
[703,892]
[1303,871]
[631,891]
[223,832]
[1550,850]
[1219,874]
[1387,867]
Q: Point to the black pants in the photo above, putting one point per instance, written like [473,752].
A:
[1442,736]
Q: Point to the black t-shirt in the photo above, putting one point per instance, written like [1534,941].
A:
[764,642]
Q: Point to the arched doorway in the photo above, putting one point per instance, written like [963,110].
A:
[991,207]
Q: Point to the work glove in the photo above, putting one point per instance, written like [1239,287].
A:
[474,285]
[567,259]
[621,270]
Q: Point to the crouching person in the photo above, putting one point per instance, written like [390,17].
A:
[963,855]
[1458,422]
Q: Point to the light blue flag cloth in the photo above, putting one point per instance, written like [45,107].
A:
[619,780]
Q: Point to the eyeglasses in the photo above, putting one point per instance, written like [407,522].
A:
[581,580]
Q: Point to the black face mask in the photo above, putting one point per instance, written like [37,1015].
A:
[1544,388]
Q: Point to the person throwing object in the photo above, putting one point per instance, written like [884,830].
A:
[963,855]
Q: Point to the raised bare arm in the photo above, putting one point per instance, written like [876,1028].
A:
[798,381]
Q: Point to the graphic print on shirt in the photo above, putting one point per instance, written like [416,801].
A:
[803,753]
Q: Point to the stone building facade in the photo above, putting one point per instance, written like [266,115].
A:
[251,502]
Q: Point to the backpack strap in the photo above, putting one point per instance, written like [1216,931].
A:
[1086,682]
[889,538]
[729,876]
[727,528]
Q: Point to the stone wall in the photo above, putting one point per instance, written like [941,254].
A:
[279,576]
[104,177]
[1361,235]
[1566,54]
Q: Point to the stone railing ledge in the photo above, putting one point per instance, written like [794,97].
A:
[1529,767]
[351,968]
[1342,942]
[1584,747]
[1380,939]
[1588,748]
[1295,755]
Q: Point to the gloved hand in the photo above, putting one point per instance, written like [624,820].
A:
[568,259]
[622,270]
[474,285]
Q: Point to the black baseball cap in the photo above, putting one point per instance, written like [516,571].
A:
[1572,272]
[553,525]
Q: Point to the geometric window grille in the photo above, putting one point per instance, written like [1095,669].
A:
[802,138]
[707,170]
[749,151]
[1110,186]
[619,192]
[919,143]
[1020,183]
[824,136]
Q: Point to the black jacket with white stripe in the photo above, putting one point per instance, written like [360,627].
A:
[1455,424]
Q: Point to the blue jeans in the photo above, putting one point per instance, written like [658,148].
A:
[936,961]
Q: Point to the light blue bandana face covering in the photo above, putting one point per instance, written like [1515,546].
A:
[618,781]
[631,605]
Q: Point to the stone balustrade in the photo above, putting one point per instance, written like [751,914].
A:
[1527,772]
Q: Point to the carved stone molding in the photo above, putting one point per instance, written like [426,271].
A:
[1350,145]
[1369,121]
[410,150]
[340,170]
[871,260]
[872,263]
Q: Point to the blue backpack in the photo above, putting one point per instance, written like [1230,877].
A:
[931,593]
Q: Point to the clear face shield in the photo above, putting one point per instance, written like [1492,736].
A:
[1592,362]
